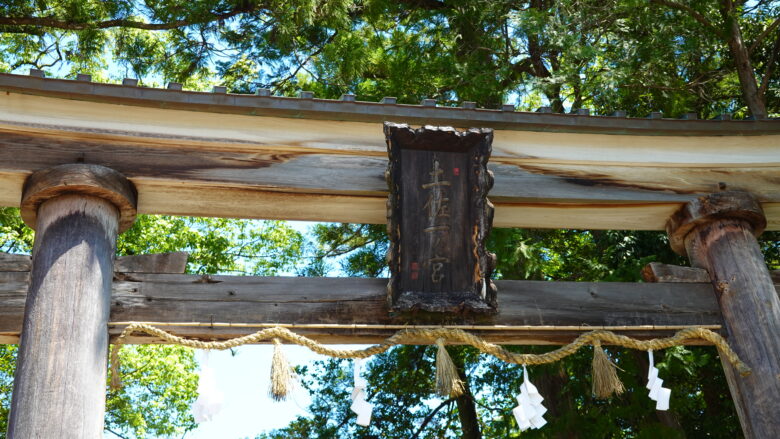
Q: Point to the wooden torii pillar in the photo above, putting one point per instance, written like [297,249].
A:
[718,233]
[60,383]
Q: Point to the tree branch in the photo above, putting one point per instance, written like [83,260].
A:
[770,65]
[430,416]
[115,433]
[53,22]
[763,35]
[279,84]
[696,15]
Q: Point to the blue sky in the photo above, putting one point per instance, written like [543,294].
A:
[244,379]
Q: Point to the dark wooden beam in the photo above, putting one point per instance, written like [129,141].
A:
[530,312]
[657,272]
[13,262]
[169,263]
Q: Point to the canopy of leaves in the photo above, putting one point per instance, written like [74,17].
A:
[634,55]
[401,380]
[676,56]
[159,381]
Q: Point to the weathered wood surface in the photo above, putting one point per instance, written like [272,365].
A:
[59,386]
[657,272]
[173,263]
[13,262]
[311,108]
[217,164]
[438,218]
[83,179]
[718,233]
[357,301]
[169,263]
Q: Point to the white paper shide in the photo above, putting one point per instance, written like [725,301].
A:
[529,411]
[658,393]
[360,406]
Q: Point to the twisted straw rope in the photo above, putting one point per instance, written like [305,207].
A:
[406,336]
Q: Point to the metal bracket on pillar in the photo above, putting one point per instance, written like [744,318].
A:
[59,387]
[718,233]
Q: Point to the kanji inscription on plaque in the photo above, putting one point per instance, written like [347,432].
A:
[438,219]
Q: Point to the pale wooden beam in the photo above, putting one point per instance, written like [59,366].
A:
[212,163]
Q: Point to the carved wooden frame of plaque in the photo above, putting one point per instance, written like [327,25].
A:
[438,218]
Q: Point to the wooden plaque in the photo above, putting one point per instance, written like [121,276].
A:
[438,217]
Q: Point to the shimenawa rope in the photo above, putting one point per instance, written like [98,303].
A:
[438,336]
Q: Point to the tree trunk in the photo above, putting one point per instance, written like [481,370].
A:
[666,417]
[755,100]
[717,404]
[560,402]
[467,410]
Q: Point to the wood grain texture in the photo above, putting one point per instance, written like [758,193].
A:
[213,164]
[314,109]
[438,218]
[733,205]
[173,263]
[13,262]
[358,301]
[657,272]
[722,241]
[83,179]
[59,386]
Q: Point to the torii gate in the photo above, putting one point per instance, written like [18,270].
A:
[713,185]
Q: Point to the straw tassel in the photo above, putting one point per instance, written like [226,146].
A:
[605,379]
[448,383]
[281,374]
[116,382]
[116,379]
